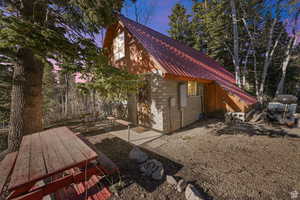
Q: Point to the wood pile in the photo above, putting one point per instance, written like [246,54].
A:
[282,110]
[244,128]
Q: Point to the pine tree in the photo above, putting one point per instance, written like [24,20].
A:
[180,27]
[35,30]
[50,92]
[5,89]
[212,32]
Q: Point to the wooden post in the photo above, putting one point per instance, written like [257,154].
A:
[128,133]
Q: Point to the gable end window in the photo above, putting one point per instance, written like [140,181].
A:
[119,46]
[195,89]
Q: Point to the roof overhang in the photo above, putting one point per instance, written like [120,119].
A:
[185,78]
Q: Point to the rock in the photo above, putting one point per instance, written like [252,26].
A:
[181,185]
[152,168]
[171,180]
[147,168]
[158,174]
[138,155]
[191,193]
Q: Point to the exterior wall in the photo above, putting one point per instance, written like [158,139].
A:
[136,60]
[192,111]
[216,99]
[167,114]
[162,110]
[165,104]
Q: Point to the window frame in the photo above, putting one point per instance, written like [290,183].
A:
[117,48]
[198,92]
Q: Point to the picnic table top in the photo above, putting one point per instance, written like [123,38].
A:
[46,153]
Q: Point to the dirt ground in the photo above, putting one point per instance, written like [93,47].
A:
[229,166]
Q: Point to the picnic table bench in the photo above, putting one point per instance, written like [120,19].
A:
[57,156]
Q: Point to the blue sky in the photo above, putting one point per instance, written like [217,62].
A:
[161,9]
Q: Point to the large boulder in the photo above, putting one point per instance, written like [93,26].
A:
[191,193]
[153,168]
[138,155]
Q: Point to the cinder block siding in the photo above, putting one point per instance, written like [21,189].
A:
[192,111]
[167,115]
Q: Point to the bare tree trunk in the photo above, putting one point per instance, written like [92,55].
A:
[17,108]
[268,59]
[255,74]
[285,63]
[252,42]
[292,43]
[136,13]
[245,71]
[27,99]
[236,59]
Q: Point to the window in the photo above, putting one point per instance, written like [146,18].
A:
[119,46]
[195,89]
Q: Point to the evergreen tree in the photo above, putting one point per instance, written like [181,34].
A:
[211,31]
[50,92]
[180,27]
[5,89]
[33,31]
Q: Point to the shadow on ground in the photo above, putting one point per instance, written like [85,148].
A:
[102,130]
[117,150]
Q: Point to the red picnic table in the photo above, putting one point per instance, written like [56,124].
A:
[48,155]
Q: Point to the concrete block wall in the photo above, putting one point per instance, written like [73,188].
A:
[164,104]
[167,115]
[192,111]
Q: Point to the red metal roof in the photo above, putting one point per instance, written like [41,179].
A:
[181,60]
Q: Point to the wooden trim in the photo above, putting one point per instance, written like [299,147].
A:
[157,64]
[184,78]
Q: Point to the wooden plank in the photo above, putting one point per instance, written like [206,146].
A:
[6,166]
[57,184]
[21,190]
[47,189]
[55,155]
[123,122]
[20,174]
[69,142]
[37,166]
[83,147]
